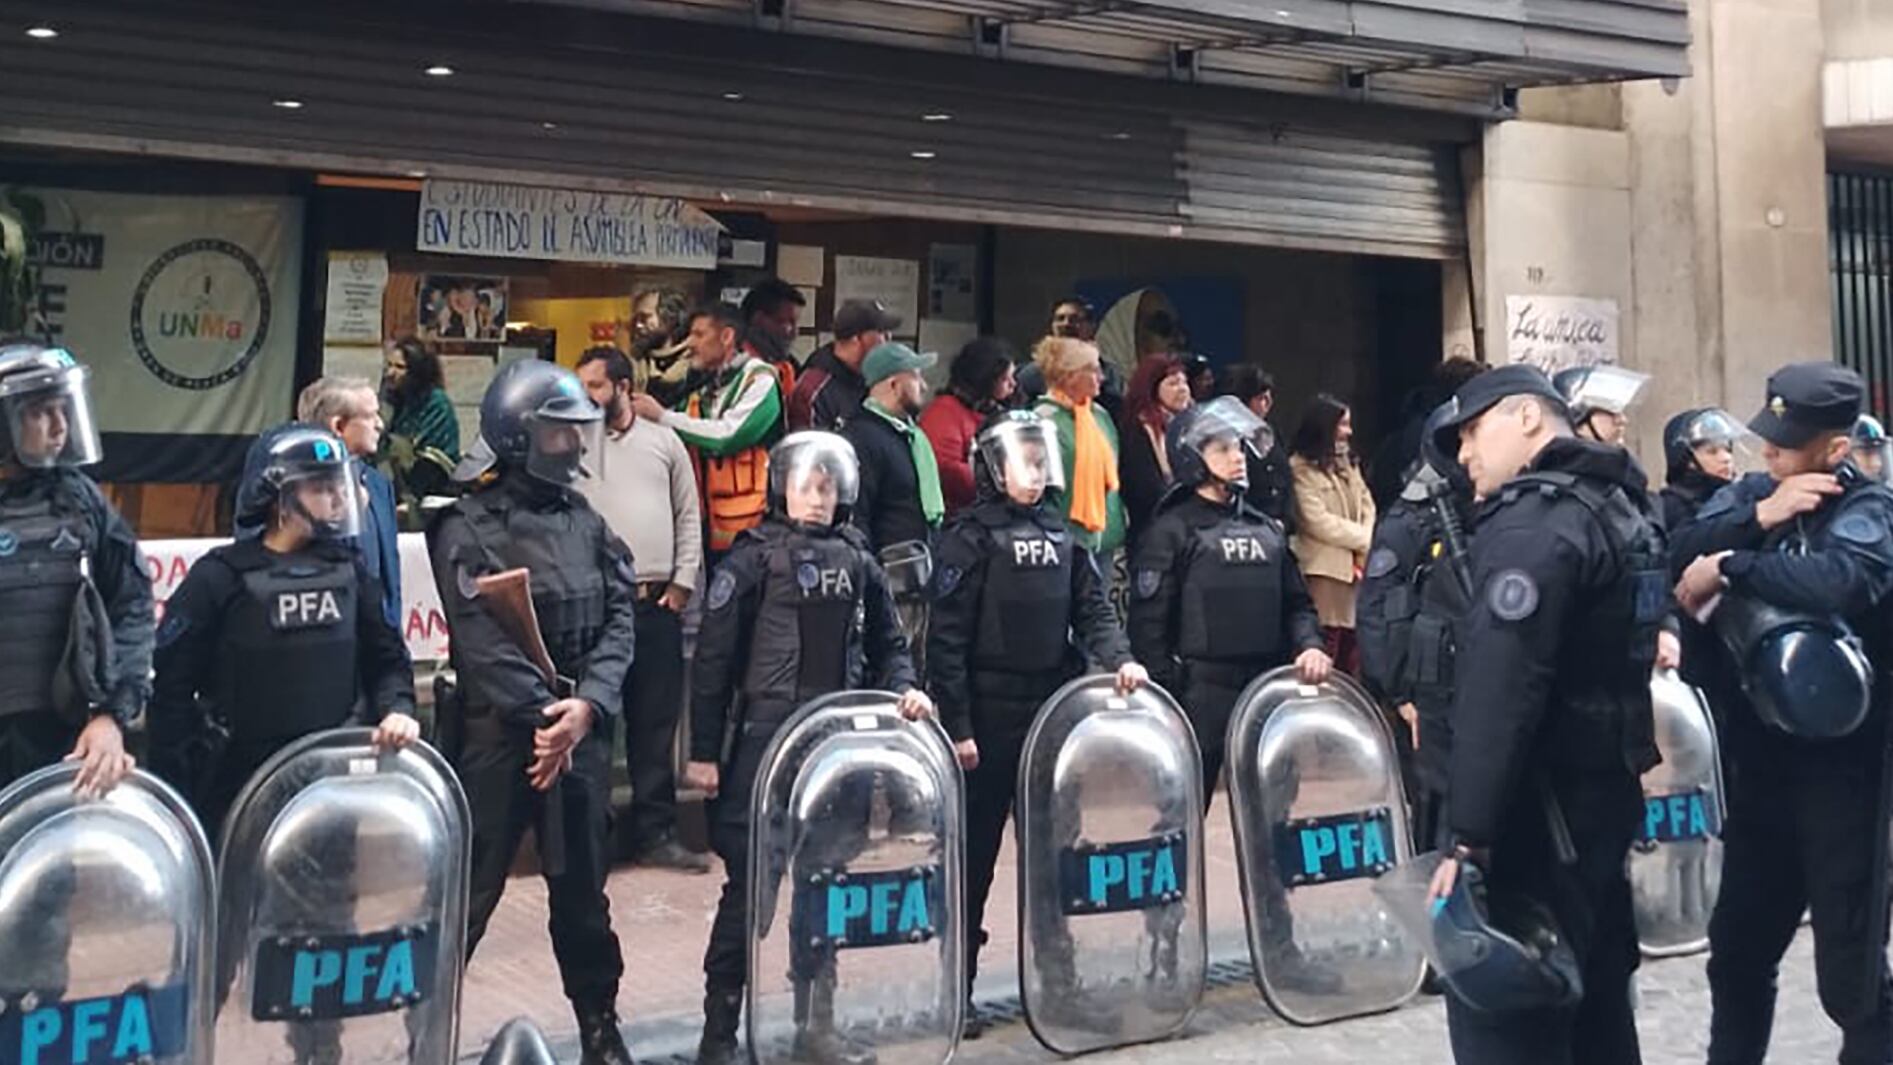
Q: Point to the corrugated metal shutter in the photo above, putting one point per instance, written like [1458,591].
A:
[566,97]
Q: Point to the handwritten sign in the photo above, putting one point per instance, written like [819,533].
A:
[357,282]
[1558,332]
[423,621]
[571,225]
[894,282]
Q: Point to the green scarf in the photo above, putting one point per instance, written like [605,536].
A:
[926,467]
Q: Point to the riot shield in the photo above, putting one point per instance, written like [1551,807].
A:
[1110,824]
[1316,799]
[856,888]
[106,933]
[343,916]
[1676,864]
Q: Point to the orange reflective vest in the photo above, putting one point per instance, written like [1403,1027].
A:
[734,488]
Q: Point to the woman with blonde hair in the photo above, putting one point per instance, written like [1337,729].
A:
[1087,442]
[1334,521]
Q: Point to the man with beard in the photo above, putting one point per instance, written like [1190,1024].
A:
[772,313]
[659,344]
[643,485]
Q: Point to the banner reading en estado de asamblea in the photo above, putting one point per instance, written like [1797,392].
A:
[570,225]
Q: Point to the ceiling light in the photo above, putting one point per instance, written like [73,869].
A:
[1120,135]
[733,97]
[937,116]
[439,70]
[417,173]
[548,125]
[42,33]
[923,154]
[288,105]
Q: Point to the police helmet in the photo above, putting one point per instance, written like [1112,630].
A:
[1016,447]
[535,416]
[1871,448]
[1700,427]
[1588,390]
[1224,418]
[45,408]
[1501,953]
[306,470]
[1435,457]
[814,477]
[1805,674]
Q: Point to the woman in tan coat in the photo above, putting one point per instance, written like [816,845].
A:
[1336,521]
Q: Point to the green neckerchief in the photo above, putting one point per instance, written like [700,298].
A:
[926,467]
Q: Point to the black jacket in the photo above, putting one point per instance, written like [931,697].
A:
[1552,680]
[1272,486]
[1140,476]
[1684,495]
[888,509]
[828,393]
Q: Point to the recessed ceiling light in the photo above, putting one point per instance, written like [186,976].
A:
[1120,135]
[923,154]
[288,105]
[439,70]
[733,97]
[937,116]
[417,173]
[41,33]
[548,125]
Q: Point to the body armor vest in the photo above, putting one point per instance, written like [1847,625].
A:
[807,621]
[568,580]
[289,664]
[1025,607]
[45,547]
[1230,592]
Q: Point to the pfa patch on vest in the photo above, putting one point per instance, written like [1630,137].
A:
[722,589]
[947,579]
[1512,595]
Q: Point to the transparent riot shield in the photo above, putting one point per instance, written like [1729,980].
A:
[1316,798]
[342,923]
[856,888]
[1110,824]
[1676,864]
[106,931]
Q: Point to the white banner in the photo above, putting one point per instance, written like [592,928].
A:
[423,622]
[1558,332]
[183,306]
[524,222]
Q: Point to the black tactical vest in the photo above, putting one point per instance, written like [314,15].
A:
[288,662]
[807,621]
[1230,592]
[1025,606]
[45,547]
[568,578]
[1610,699]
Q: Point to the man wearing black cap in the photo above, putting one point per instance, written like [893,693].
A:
[1807,822]
[1552,721]
[831,389]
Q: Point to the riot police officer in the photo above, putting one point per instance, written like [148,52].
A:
[799,608]
[66,550]
[1217,598]
[1807,823]
[1410,599]
[1870,447]
[273,637]
[1599,399]
[1700,449]
[537,733]
[1552,726]
[1011,591]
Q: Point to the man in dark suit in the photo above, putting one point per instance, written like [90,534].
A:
[350,408]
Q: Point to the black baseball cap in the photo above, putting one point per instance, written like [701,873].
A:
[1484,392]
[1806,399]
[856,317]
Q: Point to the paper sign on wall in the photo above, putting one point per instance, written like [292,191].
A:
[895,282]
[1557,332]
[357,282]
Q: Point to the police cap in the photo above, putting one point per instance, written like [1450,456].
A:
[1484,392]
[1806,399]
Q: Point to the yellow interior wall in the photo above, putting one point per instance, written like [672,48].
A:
[572,318]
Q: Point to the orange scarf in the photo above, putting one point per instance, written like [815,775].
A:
[1093,466]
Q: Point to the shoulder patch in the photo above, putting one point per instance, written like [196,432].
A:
[175,625]
[1865,526]
[947,578]
[1148,581]
[722,589]
[467,582]
[1512,595]
[1382,561]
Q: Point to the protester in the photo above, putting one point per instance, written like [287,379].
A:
[1159,391]
[980,383]
[1271,488]
[1201,377]
[659,344]
[642,484]
[1334,521]
[1087,443]
[1073,318]
[421,445]
[772,315]
[830,389]
[348,407]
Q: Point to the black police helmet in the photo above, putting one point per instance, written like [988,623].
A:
[1678,453]
[521,395]
[1503,953]
[1196,426]
[1433,452]
[283,456]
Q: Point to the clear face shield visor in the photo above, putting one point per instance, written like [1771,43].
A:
[329,499]
[560,447]
[1023,456]
[48,418]
[815,475]
[1611,389]
[1721,445]
[1222,426]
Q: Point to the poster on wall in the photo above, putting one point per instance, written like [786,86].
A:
[570,225]
[357,282]
[894,282]
[1558,332]
[185,309]
[952,273]
[458,307]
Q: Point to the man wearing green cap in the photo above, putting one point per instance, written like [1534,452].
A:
[900,504]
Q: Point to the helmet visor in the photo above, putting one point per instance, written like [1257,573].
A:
[48,417]
[814,475]
[330,499]
[1022,454]
[1611,389]
[1721,444]
[559,448]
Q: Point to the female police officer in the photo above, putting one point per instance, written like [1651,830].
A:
[275,637]
[1011,589]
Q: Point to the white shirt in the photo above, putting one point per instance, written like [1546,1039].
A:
[645,488]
